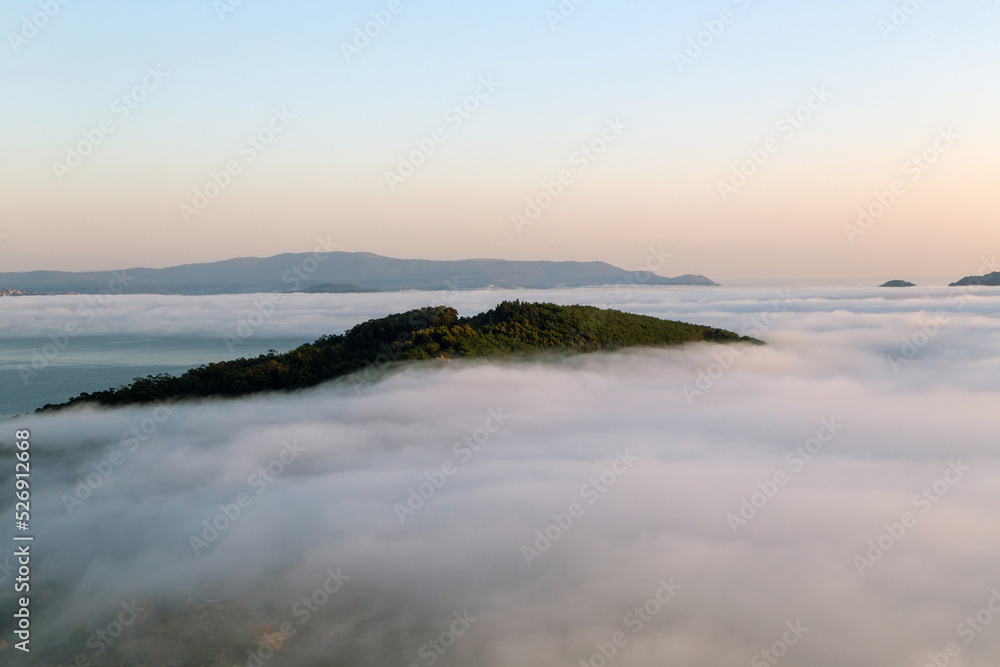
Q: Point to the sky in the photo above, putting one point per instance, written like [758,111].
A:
[842,479]
[157,134]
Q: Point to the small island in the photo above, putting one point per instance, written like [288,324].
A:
[898,283]
[511,330]
[989,280]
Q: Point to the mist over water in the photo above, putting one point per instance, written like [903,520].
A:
[52,369]
[830,498]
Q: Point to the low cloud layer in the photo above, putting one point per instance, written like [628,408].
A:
[308,316]
[829,498]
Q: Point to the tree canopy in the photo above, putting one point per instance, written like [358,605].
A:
[511,329]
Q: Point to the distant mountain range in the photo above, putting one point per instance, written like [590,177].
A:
[989,280]
[336,272]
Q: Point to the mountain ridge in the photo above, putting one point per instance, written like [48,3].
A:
[293,272]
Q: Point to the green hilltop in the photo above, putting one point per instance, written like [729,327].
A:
[512,329]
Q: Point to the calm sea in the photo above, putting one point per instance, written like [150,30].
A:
[32,376]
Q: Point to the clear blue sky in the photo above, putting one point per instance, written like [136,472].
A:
[657,184]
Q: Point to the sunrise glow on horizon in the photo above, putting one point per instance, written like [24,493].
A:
[752,141]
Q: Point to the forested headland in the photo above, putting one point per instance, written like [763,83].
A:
[512,329]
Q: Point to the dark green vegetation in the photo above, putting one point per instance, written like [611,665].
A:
[898,283]
[511,329]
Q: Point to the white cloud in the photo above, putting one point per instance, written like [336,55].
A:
[667,517]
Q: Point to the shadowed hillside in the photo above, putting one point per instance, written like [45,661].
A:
[511,329]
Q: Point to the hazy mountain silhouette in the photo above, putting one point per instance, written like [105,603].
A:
[989,280]
[304,271]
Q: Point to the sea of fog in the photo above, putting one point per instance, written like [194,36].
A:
[828,499]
